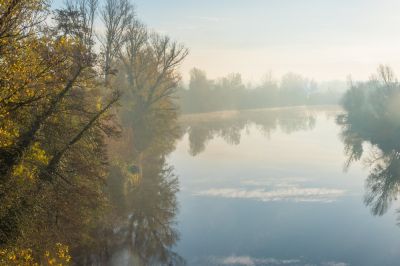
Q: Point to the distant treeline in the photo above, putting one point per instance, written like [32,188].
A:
[230,93]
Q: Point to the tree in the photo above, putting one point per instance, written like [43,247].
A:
[117,15]
[52,148]
[372,116]
[148,76]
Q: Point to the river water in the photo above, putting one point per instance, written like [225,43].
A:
[271,187]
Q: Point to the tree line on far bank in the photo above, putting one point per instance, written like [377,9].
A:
[230,93]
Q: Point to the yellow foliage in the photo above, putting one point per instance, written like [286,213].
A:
[59,256]
[30,165]
[8,132]
[135,179]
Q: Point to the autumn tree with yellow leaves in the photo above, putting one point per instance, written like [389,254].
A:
[60,108]
[54,119]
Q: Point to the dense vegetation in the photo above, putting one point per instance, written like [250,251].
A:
[84,134]
[229,93]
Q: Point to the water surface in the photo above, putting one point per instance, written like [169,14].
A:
[268,187]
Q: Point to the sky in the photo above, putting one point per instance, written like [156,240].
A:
[320,39]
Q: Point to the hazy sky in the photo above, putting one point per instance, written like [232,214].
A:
[323,39]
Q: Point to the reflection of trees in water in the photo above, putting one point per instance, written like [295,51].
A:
[153,207]
[372,117]
[383,183]
[146,210]
[230,127]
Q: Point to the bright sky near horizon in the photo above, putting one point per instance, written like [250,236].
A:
[321,39]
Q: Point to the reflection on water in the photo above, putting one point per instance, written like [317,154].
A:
[372,117]
[143,187]
[264,187]
[153,219]
[202,128]
[267,187]
[149,233]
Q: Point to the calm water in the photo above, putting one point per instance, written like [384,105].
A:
[269,188]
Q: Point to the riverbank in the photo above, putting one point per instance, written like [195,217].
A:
[221,115]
